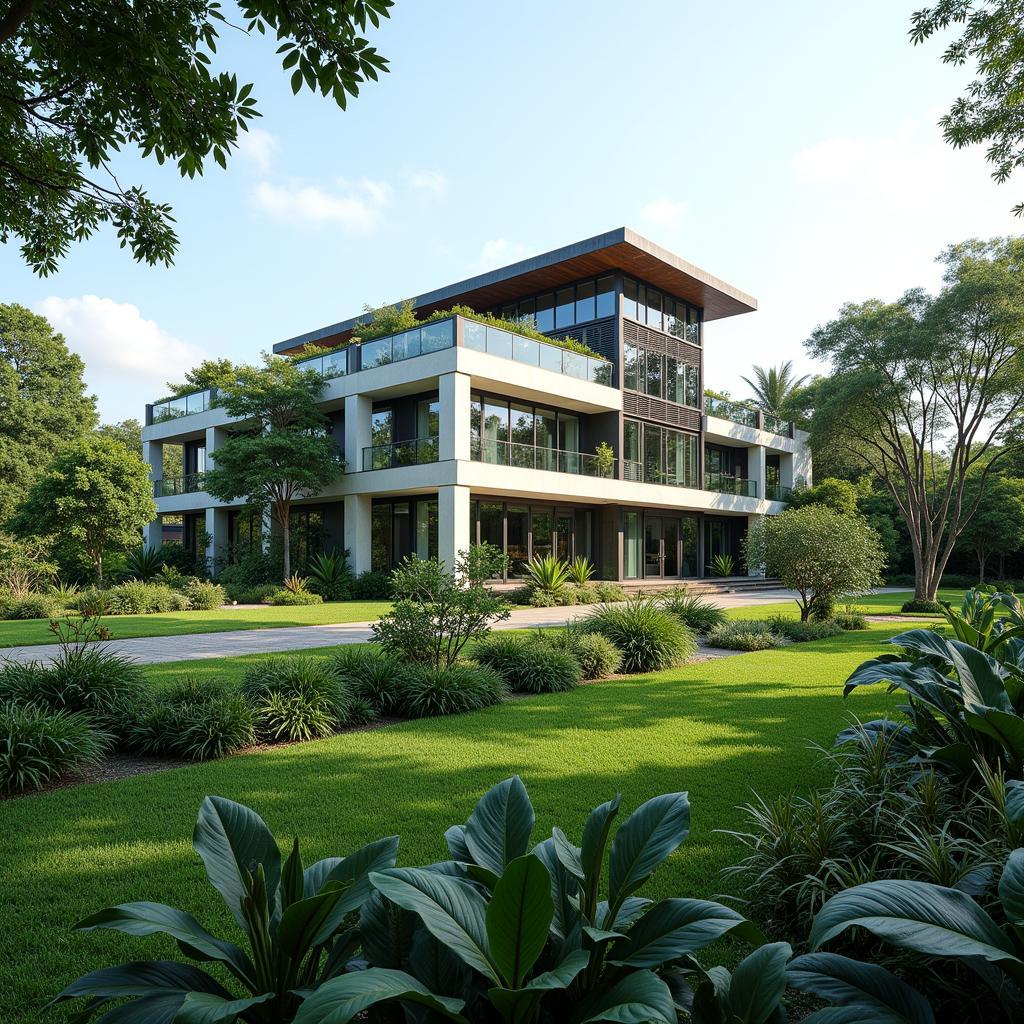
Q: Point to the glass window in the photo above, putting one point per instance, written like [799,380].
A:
[672,392]
[522,435]
[568,433]
[380,538]
[518,525]
[492,524]
[426,529]
[509,312]
[476,415]
[380,428]
[652,454]
[631,545]
[495,432]
[630,358]
[654,309]
[546,313]
[629,294]
[692,325]
[631,440]
[428,415]
[688,539]
[542,528]
[564,308]
[435,337]
[605,296]
[528,311]
[585,302]
[547,437]
[654,373]
[641,302]
[406,345]
[693,386]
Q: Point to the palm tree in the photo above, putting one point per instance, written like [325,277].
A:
[775,387]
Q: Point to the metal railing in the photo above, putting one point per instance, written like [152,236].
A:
[529,456]
[416,452]
[726,484]
[530,351]
[735,412]
[777,492]
[185,405]
[169,486]
[638,473]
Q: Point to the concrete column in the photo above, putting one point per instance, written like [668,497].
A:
[217,535]
[358,409]
[153,453]
[754,570]
[756,470]
[453,398]
[786,469]
[358,534]
[452,523]
[215,437]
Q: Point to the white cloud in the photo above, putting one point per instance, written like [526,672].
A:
[355,206]
[499,252]
[664,212]
[257,147]
[431,183]
[127,358]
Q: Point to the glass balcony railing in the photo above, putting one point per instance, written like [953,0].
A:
[531,352]
[777,425]
[333,364]
[190,483]
[186,405]
[641,474]
[529,456]
[725,484]
[418,341]
[735,412]
[402,453]
[777,492]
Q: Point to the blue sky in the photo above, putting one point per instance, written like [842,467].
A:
[790,149]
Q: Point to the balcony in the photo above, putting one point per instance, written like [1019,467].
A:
[419,341]
[725,484]
[169,486]
[531,352]
[641,474]
[185,405]
[528,456]
[416,452]
[747,416]
[777,492]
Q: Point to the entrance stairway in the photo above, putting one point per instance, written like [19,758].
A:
[709,585]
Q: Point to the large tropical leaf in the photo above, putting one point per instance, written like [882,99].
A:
[569,855]
[231,839]
[674,927]
[849,982]
[339,1000]
[1005,728]
[915,915]
[455,837]
[520,1004]
[981,678]
[142,978]
[564,888]
[923,641]
[518,918]
[644,840]
[207,1008]
[917,678]
[311,922]
[151,918]
[450,908]
[1011,888]
[352,871]
[595,836]
[1015,802]
[641,997]
[758,983]
[500,826]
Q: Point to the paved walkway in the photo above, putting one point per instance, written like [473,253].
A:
[152,650]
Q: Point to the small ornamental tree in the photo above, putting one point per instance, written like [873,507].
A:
[283,450]
[997,527]
[94,493]
[818,552]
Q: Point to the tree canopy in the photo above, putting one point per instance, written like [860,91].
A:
[81,80]
[775,388]
[925,389]
[997,526]
[94,492]
[43,401]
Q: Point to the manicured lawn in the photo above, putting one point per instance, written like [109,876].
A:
[715,728]
[36,631]
[872,604]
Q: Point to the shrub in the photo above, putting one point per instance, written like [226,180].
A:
[32,606]
[596,655]
[648,638]
[294,597]
[180,603]
[143,563]
[692,610]
[260,594]
[294,698]
[548,575]
[39,745]
[743,635]
[920,605]
[851,619]
[368,674]
[204,595]
[723,565]
[330,575]
[138,598]
[90,602]
[580,571]
[801,632]
[610,593]
[529,664]
[372,586]
[425,691]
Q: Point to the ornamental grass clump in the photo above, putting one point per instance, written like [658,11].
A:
[743,635]
[368,674]
[596,655]
[692,610]
[295,698]
[529,664]
[425,691]
[648,638]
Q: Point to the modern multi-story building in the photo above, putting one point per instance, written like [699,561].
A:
[458,431]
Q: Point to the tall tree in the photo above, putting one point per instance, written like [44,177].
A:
[283,450]
[774,388]
[997,526]
[94,493]
[43,401]
[990,109]
[926,389]
[82,79]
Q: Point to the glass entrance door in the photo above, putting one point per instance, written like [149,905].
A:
[563,535]
[670,547]
[653,555]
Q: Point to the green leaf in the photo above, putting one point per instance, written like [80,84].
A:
[1004,727]
[568,854]
[142,978]
[849,982]
[564,888]
[644,840]
[518,918]
[1015,802]
[296,81]
[980,678]
[231,839]
[674,927]
[311,921]
[758,983]
[1011,888]
[339,1000]
[353,870]
[498,831]
[291,877]
[151,918]
[519,1005]
[206,1008]
[639,998]
[914,915]
[595,837]
[451,909]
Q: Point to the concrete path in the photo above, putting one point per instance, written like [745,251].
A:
[152,650]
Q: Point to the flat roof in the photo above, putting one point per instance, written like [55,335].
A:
[620,249]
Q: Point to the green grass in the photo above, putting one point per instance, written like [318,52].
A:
[715,728]
[873,604]
[28,632]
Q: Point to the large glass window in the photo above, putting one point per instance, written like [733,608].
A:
[585,302]
[381,427]
[650,306]
[535,434]
[518,525]
[630,357]
[428,418]
[545,313]
[632,545]
[564,307]
[653,470]
[522,435]
[380,538]
[654,373]
[660,376]
[547,438]
[543,528]
[426,529]
[605,296]
[654,309]
[692,387]
[492,520]
[629,297]
[659,455]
